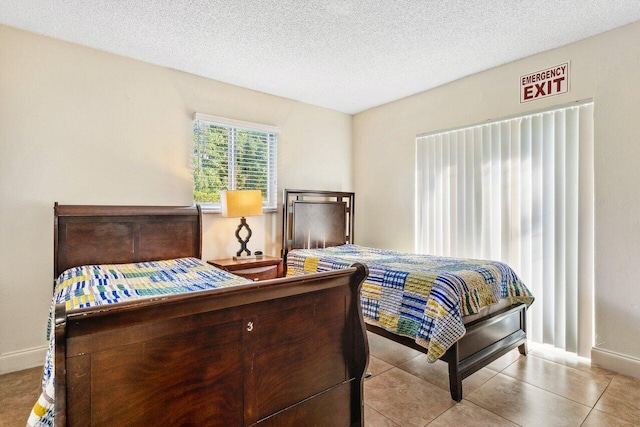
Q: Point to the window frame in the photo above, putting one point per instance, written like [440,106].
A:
[273,133]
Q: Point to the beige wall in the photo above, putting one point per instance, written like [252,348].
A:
[80,126]
[605,68]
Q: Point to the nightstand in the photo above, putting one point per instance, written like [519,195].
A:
[263,268]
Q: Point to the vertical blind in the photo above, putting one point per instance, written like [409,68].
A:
[520,191]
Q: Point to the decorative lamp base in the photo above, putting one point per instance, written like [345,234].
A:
[243,242]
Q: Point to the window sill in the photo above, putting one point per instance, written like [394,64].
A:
[206,210]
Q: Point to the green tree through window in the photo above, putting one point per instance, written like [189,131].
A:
[229,157]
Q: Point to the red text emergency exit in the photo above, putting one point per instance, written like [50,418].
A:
[543,83]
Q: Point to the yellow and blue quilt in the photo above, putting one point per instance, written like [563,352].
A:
[419,296]
[92,285]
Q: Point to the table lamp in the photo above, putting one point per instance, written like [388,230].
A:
[240,204]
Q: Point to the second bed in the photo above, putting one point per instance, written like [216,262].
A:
[463,311]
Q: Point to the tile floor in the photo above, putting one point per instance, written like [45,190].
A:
[18,392]
[545,388]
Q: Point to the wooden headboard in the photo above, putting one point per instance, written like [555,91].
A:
[85,234]
[316,219]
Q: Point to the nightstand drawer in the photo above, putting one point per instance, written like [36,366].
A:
[258,273]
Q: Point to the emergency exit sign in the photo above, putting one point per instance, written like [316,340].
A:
[541,84]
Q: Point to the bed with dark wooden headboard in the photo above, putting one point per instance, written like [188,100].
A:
[123,234]
[319,219]
[277,352]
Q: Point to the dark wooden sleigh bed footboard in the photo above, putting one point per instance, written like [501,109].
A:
[279,352]
[289,351]
[486,338]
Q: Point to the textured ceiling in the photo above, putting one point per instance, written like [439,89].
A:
[347,55]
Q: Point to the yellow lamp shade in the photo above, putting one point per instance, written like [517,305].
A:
[241,203]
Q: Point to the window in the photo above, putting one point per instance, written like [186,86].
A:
[233,155]
[518,190]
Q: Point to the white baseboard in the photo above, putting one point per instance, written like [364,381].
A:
[23,359]
[615,362]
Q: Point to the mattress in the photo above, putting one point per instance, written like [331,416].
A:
[427,298]
[94,285]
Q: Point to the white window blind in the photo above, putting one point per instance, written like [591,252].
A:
[519,191]
[233,155]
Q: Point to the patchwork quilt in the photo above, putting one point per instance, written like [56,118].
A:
[93,285]
[419,296]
